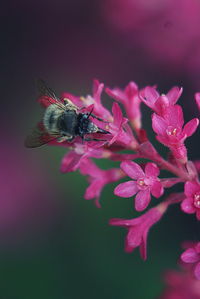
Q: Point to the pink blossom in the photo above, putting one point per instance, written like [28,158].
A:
[191,204]
[146,149]
[180,285]
[158,103]
[138,229]
[197,98]
[98,178]
[73,159]
[169,182]
[170,130]
[131,101]
[117,129]
[192,256]
[143,183]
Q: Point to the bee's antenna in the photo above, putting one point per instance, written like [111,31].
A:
[90,112]
[103,131]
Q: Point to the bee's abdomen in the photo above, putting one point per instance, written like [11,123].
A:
[68,122]
[51,118]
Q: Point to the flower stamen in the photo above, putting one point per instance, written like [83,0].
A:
[197,200]
[172,132]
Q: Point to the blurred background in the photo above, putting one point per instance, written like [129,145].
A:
[53,243]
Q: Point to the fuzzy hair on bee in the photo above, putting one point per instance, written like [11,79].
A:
[62,121]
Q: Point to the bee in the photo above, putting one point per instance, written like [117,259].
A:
[62,121]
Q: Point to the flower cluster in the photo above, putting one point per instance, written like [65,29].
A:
[128,143]
[180,285]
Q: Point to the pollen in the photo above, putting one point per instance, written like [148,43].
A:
[141,182]
[107,127]
[172,132]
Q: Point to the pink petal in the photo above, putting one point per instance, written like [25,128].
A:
[197,98]
[132,169]
[169,182]
[126,189]
[150,95]
[174,94]
[134,236]
[88,167]
[94,190]
[179,152]
[117,94]
[191,127]
[151,169]
[187,206]
[161,104]
[128,248]
[157,189]
[142,200]
[191,188]
[191,169]
[163,139]
[159,125]
[70,162]
[119,222]
[97,90]
[127,222]
[174,116]
[143,246]
[131,89]
[148,150]
[190,256]
[197,271]
[117,114]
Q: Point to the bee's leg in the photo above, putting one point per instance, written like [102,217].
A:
[71,138]
[102,131]
[98,118]
[93,139]
[65,138]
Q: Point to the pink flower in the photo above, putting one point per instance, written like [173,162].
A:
[197,98]
[191,204]
[170,130]
[117,129]
[73,159]
[181,285]
[144,183]
[138,229]
[158,103]
[192,256]
[131,101]
[98,178]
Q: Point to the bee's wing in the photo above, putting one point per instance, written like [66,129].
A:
[44,90]
[48,93]
[39,137]
[69,105]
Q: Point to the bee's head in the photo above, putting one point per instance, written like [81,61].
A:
[92,128]
[89,127]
